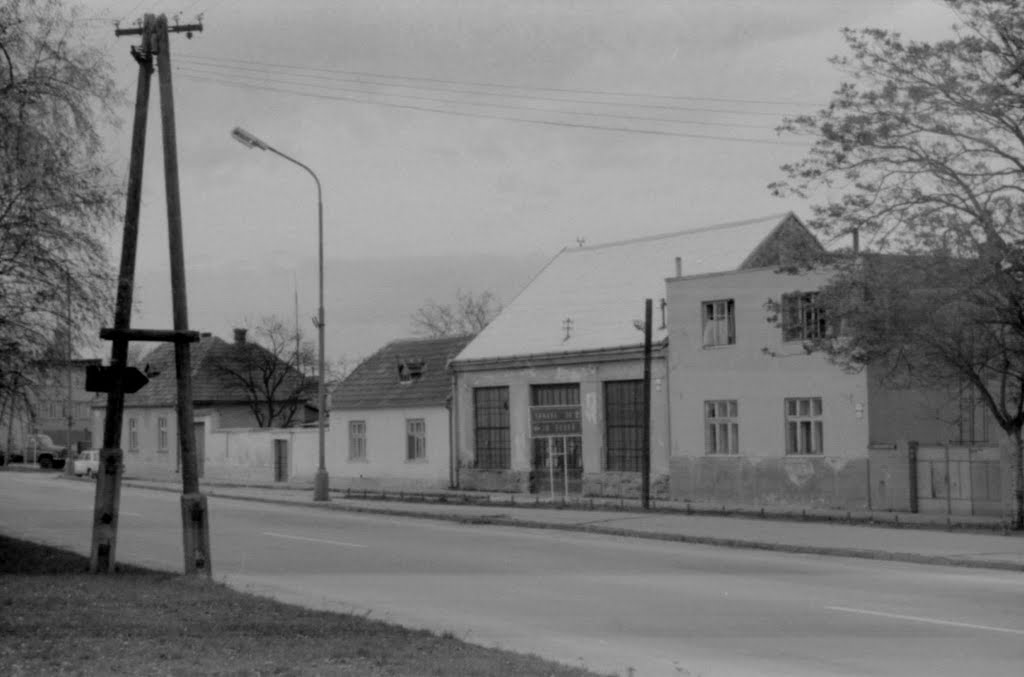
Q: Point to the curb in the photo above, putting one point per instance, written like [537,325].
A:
[827,551]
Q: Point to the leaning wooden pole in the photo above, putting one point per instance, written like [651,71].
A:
[108,479]
[194,514]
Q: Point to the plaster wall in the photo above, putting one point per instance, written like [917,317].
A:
[385,465]
[590,375]
[759,371]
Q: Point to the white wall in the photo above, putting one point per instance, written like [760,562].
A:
[760,381]
[385,466]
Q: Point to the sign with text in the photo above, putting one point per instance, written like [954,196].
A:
[549,421]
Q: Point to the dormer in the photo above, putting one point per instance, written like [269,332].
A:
[410,370]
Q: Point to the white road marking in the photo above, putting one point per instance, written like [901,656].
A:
[314,540]
[921,619]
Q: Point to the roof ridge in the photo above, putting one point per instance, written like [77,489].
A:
[703,229]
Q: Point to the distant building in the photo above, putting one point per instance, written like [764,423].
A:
[149,432]
[757,419]
[552,389]
[52,405]
[391,418]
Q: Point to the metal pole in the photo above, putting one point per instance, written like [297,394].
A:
[69,457]
[322,483]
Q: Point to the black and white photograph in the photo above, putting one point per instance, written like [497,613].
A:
[505,338]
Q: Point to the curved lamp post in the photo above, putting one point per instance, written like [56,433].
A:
[321,483]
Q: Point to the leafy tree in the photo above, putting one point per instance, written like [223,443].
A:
[274,371]
[921,153]
[469,314]
[58,197]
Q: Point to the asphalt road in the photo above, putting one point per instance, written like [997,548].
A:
[606,602]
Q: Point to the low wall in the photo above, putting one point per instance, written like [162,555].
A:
[507,481]
[793,481]
[623,485]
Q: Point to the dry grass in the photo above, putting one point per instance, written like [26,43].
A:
[56,619]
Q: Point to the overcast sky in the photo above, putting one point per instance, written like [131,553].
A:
[647,117]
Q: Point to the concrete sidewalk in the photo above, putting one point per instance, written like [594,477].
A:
[984,549]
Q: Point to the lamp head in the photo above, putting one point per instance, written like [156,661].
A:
[246,139]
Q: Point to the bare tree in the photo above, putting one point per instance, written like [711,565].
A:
[272,371]
[921,153]
[58,197]
[469,314]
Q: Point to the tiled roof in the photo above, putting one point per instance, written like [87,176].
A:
[601,289]
[375,384]
[210,385]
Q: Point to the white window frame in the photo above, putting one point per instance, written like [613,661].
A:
[357,440]
[721,427]
[718,323]
[415,439]
[803,317]
[805,428]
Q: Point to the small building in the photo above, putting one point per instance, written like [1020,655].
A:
[759,419]
[391,418]
[63,406]
[149,432]
[549,396]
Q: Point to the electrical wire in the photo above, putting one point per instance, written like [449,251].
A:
[771,102]
[554,123]
[205,62]
[485,104]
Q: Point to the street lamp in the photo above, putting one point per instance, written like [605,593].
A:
[320,485]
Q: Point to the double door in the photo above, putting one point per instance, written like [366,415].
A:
[557,468]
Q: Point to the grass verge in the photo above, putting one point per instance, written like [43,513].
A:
[57,619]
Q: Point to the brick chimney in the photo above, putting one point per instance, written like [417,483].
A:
[240,336]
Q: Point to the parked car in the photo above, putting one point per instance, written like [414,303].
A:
[47,454]
[87,463]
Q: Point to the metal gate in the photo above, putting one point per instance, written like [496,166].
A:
[557,468]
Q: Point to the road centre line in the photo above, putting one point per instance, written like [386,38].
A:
[314,540]
[921,619]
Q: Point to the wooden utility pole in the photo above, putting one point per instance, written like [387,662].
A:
[154,31]
[645,467]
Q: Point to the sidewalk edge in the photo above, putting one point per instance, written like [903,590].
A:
[828,551]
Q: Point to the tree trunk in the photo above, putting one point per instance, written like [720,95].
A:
[1018,480]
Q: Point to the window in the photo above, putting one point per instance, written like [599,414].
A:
[133,434]
[357,440]
[719,323]
[415,439]
[161,424]
[721,427]
[624,425]
[491,425]
[972,424]
[803,318]
[803,425]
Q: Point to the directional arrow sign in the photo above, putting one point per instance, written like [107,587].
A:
[101,379]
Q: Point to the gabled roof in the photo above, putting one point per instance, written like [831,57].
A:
[210,384]
[601,289]
[376,384]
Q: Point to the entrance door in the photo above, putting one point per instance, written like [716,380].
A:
[280,460]
[565,456]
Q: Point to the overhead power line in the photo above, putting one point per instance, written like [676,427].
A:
[484,104]
[470,114]
[598,92]
[452,88]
